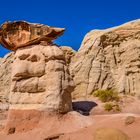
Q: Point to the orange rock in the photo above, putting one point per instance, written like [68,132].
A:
[14,35]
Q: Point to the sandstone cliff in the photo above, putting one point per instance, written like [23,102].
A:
[108,59]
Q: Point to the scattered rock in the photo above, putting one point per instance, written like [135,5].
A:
[54,137]
[11,130]
[129,120]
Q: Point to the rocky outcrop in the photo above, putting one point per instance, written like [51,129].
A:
[14,35]
[108,59]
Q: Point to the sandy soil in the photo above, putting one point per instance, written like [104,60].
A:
[73,125]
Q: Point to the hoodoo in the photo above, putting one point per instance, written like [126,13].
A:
[40,80]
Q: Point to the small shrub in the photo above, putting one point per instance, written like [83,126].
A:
[106,95]
[111,106]
[108,106]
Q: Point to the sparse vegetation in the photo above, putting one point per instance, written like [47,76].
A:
[106,95]
[110,98]
[111,106]
[108,106]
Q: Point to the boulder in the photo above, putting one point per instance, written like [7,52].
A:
[110,134]
[17,34]
[108,59]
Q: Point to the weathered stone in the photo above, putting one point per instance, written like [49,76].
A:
[14,35]
[40,79]
[108,59]
[129,120]
[40,84]
[5,79]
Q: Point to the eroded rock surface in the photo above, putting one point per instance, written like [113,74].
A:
[5,79]
[41,85]
[40,79]
[5,83]
[19,34]
[108,59]
[69,53]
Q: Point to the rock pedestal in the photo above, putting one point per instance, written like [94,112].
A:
[40,81]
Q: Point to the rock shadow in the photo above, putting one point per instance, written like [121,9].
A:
[83,107]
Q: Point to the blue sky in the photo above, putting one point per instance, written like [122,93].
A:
[77,16]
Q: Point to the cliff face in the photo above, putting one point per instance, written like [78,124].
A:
[108,59]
